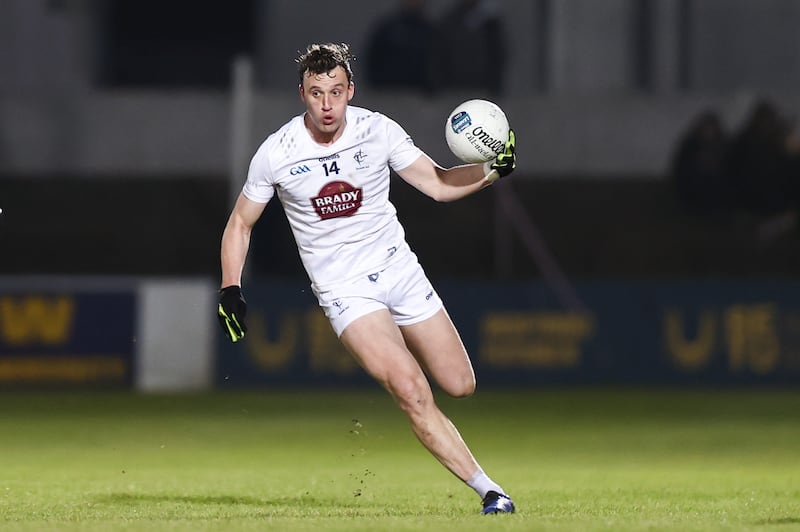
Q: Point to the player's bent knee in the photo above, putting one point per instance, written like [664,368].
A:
[412,395]
[461,388]
[458,382]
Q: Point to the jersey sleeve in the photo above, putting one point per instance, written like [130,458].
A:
[402,150]
[259,185]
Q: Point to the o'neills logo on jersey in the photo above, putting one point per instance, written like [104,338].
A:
[336,199]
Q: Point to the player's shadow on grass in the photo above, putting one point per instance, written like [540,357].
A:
[229,500]
[272,507]
[779,521]
[133,498]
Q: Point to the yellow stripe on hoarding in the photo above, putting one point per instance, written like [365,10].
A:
[63,369]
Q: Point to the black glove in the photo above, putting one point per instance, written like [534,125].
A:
[231,312]
[506,162]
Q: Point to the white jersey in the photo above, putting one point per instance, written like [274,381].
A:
[337,197]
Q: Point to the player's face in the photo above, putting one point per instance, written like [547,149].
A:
[326,96]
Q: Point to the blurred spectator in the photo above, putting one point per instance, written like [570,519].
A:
[470,50]
[761,162]
[398,49]
[763,166]
[698,166]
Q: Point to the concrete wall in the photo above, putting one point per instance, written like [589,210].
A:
[573,93]
[154,335]
[745,45]
[185,133]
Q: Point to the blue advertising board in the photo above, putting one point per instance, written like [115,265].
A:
[65,337]
[635,332]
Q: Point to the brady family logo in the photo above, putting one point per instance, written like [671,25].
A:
[337,199]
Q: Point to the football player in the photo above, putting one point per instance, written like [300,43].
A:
[330,168]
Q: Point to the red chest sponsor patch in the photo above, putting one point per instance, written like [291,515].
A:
[337,198]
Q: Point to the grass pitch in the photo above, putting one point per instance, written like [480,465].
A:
[346,460]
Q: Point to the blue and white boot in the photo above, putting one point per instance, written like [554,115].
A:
[497,503]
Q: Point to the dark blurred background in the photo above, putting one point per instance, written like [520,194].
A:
[118,121]
[656,138]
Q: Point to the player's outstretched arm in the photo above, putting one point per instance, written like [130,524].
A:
[449,184]
[444,184]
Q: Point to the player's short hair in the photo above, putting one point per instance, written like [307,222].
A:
[322,58]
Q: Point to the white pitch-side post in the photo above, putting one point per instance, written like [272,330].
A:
[241,123]
[241,128]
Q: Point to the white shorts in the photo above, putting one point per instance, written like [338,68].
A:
[402,288]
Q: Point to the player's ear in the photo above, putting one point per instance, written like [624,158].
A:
[351,90]
[302,92]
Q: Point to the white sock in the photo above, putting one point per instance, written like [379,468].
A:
[482,484]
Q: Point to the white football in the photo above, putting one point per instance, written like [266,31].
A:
[476,131]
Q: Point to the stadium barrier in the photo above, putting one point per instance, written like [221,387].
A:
[160,335]
[148,334]
[632,332]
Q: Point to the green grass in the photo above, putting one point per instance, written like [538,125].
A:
[345,460]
